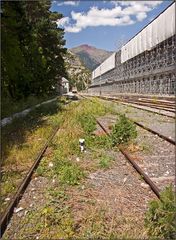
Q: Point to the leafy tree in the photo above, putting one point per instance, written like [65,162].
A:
[32,48]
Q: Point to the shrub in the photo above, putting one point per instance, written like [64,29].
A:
[123,131]
[160,218]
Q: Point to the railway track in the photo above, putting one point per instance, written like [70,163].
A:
[168,113]
[168,108]
[150,129]
[165,107]
[131,159]
[154,188]
[6,216]
[9,211]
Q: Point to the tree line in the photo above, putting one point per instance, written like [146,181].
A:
[32,49]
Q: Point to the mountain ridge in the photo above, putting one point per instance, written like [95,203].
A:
[91,56]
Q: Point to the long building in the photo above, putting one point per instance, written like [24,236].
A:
[145,64]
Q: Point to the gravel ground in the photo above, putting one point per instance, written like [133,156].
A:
[161,124]
[119,191]
[154,155]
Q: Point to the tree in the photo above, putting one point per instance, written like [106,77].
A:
[32,48]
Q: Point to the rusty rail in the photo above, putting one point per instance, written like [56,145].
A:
[154,188]
[6,216]
[154,132]
[126,102]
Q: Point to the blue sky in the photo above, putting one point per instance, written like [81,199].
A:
[105,24]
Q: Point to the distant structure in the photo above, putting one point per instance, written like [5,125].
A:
[145,64]
[64,85]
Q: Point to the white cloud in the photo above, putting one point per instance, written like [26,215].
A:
[141,16]
[63,21]
[120,14]
[73,29]
[72,3]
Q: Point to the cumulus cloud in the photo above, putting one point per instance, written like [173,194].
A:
[72,3]
[141,16]
[120,14]
[63,21]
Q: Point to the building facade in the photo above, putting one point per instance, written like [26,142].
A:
[145,64]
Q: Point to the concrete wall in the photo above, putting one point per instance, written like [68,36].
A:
[151,72]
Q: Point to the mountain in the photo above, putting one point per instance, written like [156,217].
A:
[91,57]
[78,75]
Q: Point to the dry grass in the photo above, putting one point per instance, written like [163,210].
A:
[21,142]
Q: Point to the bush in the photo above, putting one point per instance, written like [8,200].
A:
[123,131]
[160,218]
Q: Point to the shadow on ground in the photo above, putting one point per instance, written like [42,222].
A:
[15,133]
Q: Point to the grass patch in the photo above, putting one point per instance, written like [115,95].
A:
[88,123]
[71,174]
[67,171]
[21,142]
[98,142]
[105,161]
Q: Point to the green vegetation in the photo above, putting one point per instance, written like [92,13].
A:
[71,174]
[32,50]
[123,131]
[161,216]
[88,123]
[22,140]
[100,142]
[79,123]
[10,107]
[105,161]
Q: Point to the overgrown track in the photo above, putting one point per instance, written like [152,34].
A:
[152,185]
[152,104]
[6,216]
[150,130]
[135,165]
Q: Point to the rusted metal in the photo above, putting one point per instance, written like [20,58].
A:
[18,195]
[157,106]
[156,133]
[154,188]
[134,164]
[125,102]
